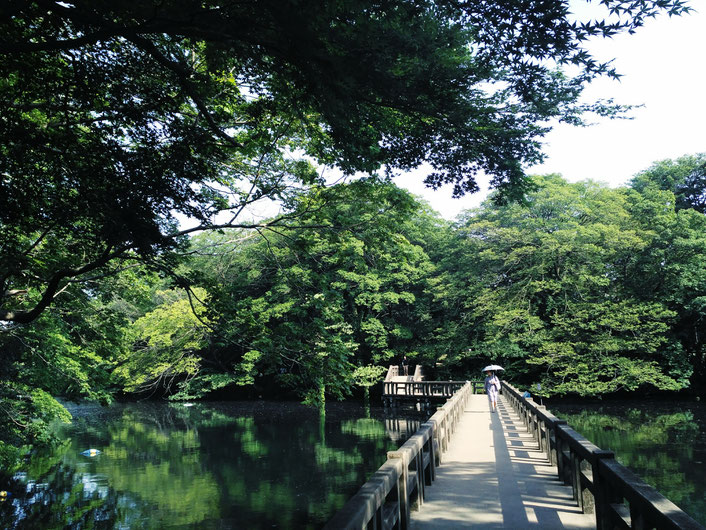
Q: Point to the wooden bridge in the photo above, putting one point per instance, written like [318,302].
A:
[519,468]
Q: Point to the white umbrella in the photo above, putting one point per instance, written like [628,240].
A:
[492,368]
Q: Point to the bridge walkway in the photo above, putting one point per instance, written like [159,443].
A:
[495,476]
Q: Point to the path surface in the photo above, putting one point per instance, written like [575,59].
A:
[494,476]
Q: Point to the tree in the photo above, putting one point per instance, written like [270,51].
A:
[119,119]
[168,340]
[367,376]
[555,292]
[685,177]
[302,308]
[672,269]
[116,117]
[692,193]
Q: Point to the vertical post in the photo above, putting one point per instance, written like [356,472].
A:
[402,494]
[637,519]
[447,432]
[432,456]
[545,439]
[568,464]
[576,478]
[436,442]
[554,453]
[419,469]
[603,494]
[559,453]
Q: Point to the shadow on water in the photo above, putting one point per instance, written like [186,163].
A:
[664,443]
[215,465]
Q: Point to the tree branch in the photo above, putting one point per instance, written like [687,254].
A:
[54,287]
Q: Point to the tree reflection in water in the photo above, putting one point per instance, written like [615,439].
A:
[225,465]
[664,444]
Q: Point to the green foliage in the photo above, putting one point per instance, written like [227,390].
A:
[367,376]
[673,268]
[585,289]
[168,339]
[685,177]
[169,465]
[306,306]
[557,288]
[69,351]
[582,288]
[119,117]
[27,414]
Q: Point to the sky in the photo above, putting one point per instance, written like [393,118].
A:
[664,69]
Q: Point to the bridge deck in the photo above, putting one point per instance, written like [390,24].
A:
[494,476]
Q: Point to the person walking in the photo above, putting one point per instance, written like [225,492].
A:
[405,365]
[492,386]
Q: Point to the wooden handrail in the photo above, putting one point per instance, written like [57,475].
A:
[600,484]
[385,500]
[427,388]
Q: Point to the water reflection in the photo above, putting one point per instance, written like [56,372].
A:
[223,465]
[664,444]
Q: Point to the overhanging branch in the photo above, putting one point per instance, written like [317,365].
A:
[54,287]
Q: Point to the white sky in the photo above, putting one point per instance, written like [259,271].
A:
[664,69]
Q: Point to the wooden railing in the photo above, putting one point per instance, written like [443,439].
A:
[428,388]
[619,498]
[385,500]
[392,371]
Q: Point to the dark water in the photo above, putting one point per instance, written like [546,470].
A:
[216,465]
[664,443]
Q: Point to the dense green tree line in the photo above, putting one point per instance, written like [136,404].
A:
[585,289]
[118,118]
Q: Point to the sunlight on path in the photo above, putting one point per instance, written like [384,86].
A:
[494,476]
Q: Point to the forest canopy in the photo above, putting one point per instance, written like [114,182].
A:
[117,117]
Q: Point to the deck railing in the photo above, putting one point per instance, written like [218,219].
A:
[618,497]
[428,388]
[421,388]
[392,371]
[385,501]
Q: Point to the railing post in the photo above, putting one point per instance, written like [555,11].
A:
[402,494]
[559,454]
[542,428]
[432,456]
[637,519]
[419,468]
[603,494]
[554,452]
[575,463]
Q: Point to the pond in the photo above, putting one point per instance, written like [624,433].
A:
[664,443]
[210,465]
